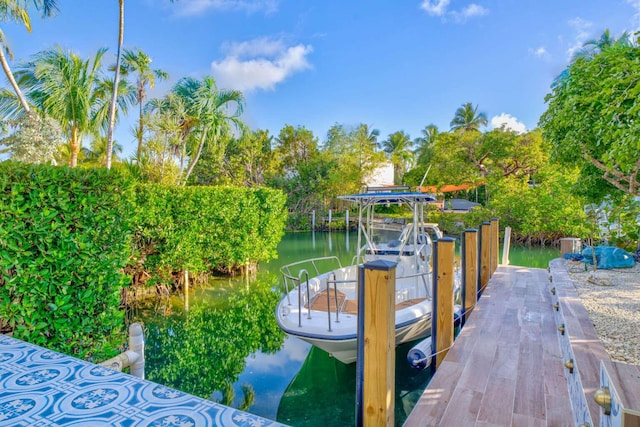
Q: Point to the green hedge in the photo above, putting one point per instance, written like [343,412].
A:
[67,236]
[205,229]
[64,239]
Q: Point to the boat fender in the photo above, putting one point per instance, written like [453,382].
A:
[419,356]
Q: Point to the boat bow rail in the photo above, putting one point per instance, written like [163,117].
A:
[310,289]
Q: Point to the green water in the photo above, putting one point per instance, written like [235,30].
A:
[228,347]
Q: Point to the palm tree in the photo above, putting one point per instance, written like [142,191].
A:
[98,151]
[138,62]
[367,140]
[116,81]
[426,142]
[398,148]
[66,88]
[467,118]
[592,47]
[13,10]
[171,126]
[208,109]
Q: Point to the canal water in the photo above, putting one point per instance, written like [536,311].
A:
[227,346]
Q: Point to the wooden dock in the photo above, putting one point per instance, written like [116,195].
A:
[506,367]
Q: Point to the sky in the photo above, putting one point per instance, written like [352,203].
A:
[394,65]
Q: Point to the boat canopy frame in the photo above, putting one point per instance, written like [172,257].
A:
[367,202]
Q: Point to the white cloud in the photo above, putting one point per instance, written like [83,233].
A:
[259,64]
[540,52]
[474,10]
[509,122]
[437,8]
[581,28]
[635,20]
[440,8]
[195,7]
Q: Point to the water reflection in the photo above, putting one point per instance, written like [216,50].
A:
[205,349]
[323,391]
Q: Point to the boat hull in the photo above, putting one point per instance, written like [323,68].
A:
[345,348]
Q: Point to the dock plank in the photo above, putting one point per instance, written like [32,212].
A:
[505,367]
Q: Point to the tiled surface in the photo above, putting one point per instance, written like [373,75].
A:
[39,387]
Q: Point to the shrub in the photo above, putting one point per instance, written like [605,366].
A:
[64,239]
[205,229]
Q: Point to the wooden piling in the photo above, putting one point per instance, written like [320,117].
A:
[495,244]
[443,304]
[506,245]
[469,252]
[375,368]
[484,256]
[186,290]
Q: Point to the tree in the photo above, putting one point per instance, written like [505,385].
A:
[34,140]
[355,156]
[169,128]
[467,118]
[64,87]
[294,146]
[211,112]
[13,10]
[592,47]
[592,120]
[425,143]
[116,79]
[398,149]
[138,62]
[248,159]
[97,153]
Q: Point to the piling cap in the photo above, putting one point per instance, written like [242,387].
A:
[380,264]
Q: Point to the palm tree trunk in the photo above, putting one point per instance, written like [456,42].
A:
[116,80]
[193,161]
[74,147]
[12,80]
[140,131]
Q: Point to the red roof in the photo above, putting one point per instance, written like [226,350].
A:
[447,188]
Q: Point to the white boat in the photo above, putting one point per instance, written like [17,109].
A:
[320,304]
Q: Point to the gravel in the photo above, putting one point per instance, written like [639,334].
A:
[612,299]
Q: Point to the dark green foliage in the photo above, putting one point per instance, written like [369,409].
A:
[203,229]
[64,239]
[205,349]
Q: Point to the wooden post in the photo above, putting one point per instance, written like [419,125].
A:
[469,252]
[313,220]
[442,314]
[495,244]
[186,290]
[375,365]
[506,246]
[484,255]
[346,221]
[329,218]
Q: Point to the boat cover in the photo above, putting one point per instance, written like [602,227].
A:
[608,257]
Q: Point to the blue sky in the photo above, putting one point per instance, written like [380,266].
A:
[394,65]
